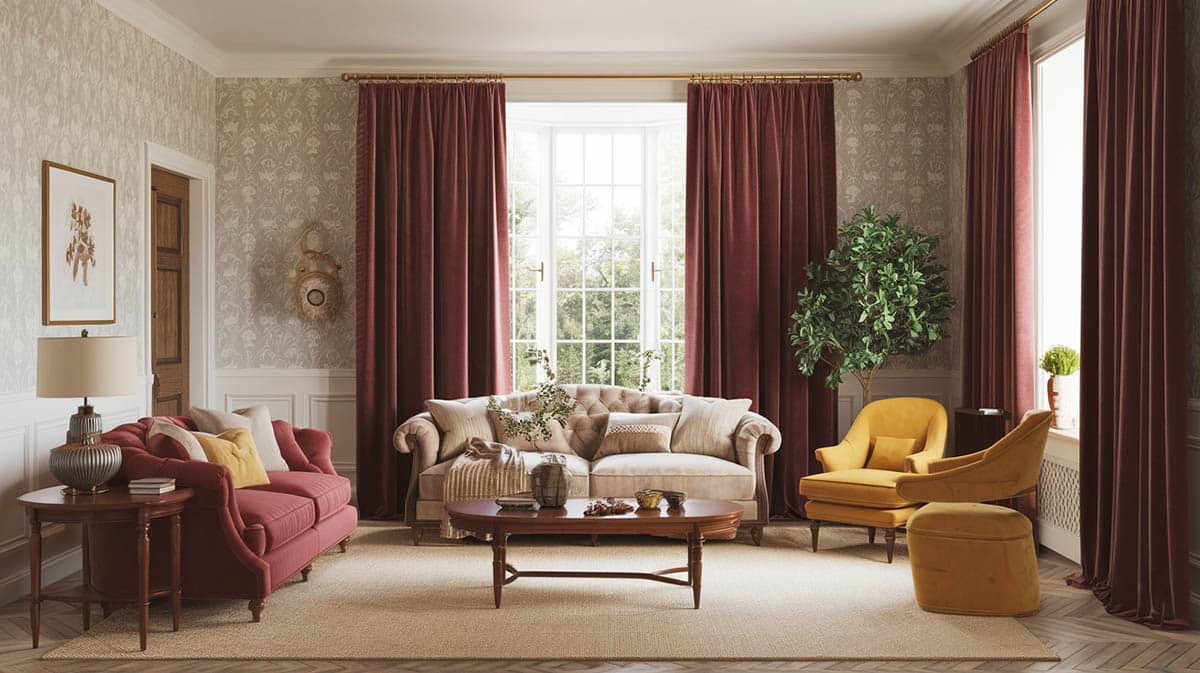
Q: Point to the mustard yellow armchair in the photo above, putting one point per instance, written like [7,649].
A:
[972,558]
[889,438]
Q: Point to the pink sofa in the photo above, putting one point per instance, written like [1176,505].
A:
[237,543]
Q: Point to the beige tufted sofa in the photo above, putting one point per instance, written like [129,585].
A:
[702,476]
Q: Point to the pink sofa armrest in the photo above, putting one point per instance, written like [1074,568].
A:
[304,449]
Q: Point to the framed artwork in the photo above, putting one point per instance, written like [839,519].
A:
[79,247]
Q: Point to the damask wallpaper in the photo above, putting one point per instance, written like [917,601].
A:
[83,88]
[285,158]
[897,142]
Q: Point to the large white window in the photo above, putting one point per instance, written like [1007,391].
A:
[1058,104]
[596,241]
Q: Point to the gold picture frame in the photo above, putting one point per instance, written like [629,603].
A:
[79,247]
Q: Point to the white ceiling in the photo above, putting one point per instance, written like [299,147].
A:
[322,37]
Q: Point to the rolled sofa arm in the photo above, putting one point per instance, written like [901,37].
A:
[305,449]
[419,436]
[755,436]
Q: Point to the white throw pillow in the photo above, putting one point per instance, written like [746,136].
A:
[257,419]
[460,421]
[183,437]
[706,426]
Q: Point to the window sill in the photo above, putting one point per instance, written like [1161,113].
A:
[1065,435]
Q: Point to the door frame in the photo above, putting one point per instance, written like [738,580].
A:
[202,188]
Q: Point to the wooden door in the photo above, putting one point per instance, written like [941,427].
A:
[169,292]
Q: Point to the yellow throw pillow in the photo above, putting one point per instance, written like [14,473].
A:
[235,449]
[889,453]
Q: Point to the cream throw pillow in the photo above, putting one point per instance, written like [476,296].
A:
[706,426]
[557,443]
[184,438]
[637,433]
[460,421]
[256,419]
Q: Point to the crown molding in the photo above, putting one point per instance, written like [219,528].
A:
[958,52]
[332,65]
[168,30]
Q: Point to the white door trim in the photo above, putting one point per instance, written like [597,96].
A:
[202,179]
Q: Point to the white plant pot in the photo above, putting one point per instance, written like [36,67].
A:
[1063,395]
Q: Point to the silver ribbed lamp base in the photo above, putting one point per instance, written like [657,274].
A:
[85,468]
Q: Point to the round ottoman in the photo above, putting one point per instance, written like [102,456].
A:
[973,559]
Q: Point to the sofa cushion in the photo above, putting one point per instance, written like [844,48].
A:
[700,476]
[970,521]
[272,519]
[329,492]
[460,421]
[706,426]
[860,487]
[431,482]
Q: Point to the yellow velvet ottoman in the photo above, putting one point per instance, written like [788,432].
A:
[973,559]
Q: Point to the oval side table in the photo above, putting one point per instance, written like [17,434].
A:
[51,505]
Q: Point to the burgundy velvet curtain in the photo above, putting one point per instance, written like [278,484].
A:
[761,204]
[432,256]
[1133,444]
[998,323]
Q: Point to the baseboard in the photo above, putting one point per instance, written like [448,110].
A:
[55,568]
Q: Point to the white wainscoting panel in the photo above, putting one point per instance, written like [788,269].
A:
[29,427]
[311,398]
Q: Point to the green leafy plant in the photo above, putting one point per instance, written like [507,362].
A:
[1060,361]
[551,403]
[880,292]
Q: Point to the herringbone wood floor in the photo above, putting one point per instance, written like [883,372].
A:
[1071,623]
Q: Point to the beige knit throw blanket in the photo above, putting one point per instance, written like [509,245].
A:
[485,470]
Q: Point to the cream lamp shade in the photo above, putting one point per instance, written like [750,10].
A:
[89,366]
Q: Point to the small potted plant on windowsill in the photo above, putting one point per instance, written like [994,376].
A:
[1061,363]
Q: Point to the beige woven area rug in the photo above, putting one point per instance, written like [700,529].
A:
[389,600]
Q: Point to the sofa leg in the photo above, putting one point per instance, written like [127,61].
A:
[417,532]
[889,536]
[814,529]
[256,608]
[595,540]
[107,609]
[304,573]
[871,534]
[344,545]
[756,535]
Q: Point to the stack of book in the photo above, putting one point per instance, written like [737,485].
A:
[151,486]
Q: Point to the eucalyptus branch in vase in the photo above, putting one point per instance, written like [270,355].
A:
[551,403]
[649,357]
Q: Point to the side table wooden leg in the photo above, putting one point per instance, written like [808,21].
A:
[176,574]
[695,547]
[86,607]
[35,577]
[143,583]
[498,558]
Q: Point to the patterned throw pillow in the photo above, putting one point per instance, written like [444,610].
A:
[637,433]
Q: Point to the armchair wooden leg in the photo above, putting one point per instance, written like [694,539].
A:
[756,535]
[417,532]
[344,545]
[889,536]
[871,534]
[814,530]
[304,573]
[256,608]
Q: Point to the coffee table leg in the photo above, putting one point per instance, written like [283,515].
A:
[695,564]
[86,607]
[143,588]
[498,552]
[35,576]
[176,583]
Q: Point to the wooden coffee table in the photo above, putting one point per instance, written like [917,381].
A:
[697,520]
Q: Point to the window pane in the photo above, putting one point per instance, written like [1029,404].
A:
[524,314]
[599,362]
[523,157]
[628,367]
[627,159]
[598,271]
[568,211]
[524,256]
[569,259]
[522,210]
[568,158]
[524,372]
[599,315]
[570,314]
[627,263]
[597,155]
[627,315]
[627,211]
[597,217]
[677,375]
[570,363]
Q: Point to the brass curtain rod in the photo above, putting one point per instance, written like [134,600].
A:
[1011,28]
[700,77]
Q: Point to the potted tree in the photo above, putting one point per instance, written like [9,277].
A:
[1061,363]
[880,292]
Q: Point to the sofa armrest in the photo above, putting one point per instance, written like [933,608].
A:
[844,456]
[419,436]
[922,461]
[755,436]
[212,483]
[305,449]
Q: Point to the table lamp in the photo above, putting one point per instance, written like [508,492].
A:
[86,367]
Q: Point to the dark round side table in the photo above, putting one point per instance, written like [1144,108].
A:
[51,505]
